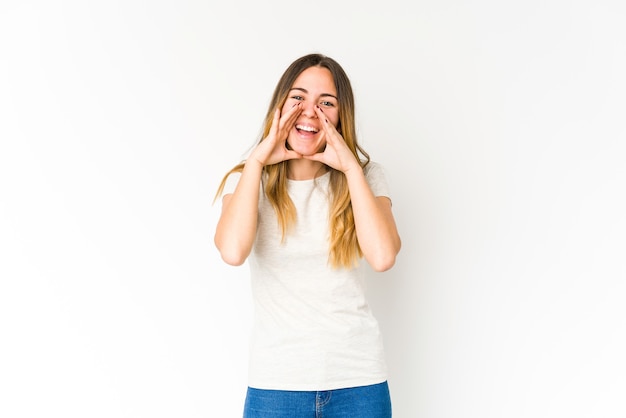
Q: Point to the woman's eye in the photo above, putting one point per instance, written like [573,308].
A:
[297,97]
[327,104]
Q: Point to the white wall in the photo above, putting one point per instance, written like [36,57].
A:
[501,125]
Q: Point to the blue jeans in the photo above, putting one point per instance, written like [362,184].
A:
[371,401]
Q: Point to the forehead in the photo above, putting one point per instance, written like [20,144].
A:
[316,79]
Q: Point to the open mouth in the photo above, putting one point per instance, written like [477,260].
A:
[307,129]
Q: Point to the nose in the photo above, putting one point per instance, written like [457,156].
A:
[308,109]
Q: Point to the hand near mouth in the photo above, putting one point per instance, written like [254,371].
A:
[273,148]
[336,154]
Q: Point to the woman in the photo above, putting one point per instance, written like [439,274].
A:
[303,209]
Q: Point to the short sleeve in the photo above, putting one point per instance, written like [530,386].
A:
[231,183]
[377,180]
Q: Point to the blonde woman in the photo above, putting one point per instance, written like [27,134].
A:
[305,208]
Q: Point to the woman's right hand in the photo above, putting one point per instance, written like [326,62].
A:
[273,148]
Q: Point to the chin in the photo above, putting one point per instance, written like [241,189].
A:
[307,150]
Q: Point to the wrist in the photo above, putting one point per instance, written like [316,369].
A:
[253,164]
[353,168]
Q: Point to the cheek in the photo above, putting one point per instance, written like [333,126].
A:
[288,105]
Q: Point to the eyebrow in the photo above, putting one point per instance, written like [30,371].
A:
[321,95]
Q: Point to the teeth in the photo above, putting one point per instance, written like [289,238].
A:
[306,128]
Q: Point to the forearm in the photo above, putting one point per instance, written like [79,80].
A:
[236,228]
[375,226]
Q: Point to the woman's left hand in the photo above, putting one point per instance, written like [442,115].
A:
[336,154]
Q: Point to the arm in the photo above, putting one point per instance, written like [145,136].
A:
[374,222]
[375,226]
[236,228]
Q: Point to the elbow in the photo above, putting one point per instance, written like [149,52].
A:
[385,259]
[233,255]
[383,264]
[233,259]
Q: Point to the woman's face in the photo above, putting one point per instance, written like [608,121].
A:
[313,87]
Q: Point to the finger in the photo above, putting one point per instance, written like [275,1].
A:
[328,127]
[320,114]
[275,122]
[294,109]
[290,116]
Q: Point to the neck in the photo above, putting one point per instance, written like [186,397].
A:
[302,169]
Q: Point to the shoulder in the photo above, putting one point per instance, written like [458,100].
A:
[230,182]
[376,178]
[374,169]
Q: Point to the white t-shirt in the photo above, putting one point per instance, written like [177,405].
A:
[313,328]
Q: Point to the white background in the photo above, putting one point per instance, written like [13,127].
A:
[501,125]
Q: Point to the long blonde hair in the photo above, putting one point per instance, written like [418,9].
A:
[344,246]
